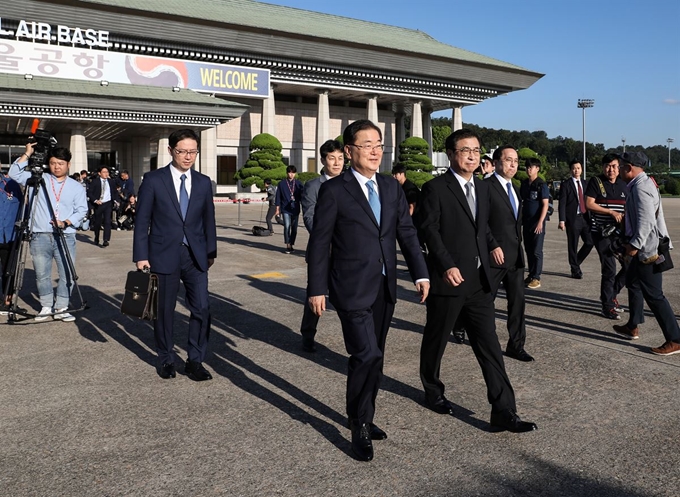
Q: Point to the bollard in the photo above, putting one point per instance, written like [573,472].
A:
[239,212]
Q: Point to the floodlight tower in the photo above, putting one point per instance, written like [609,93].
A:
[669,141]
[623,140]
[584,104]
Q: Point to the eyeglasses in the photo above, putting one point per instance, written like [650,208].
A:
[369,148]
[468,150]
[184,153]
[508,160]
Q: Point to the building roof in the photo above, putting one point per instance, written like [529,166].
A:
[305,23]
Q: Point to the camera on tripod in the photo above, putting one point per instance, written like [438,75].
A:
[44,143]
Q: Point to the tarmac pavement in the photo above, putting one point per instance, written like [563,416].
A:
[84,412]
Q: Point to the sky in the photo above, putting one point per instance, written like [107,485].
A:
[624,54]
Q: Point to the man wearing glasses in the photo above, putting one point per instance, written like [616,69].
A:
[176,238]
[454,223]
[358,219]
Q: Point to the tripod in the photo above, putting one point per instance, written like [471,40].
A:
[23,234]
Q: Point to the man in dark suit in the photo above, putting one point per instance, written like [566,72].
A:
[574,218]
[359,218]
[333,160]
[175,236]
[454,223]
[507,259]
[101,195]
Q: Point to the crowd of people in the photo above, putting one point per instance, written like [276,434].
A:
[461,237]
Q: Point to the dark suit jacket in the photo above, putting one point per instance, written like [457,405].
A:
[309,197]
[95,190]
[452,236]
[159,228]
[568,207]
[505,229]
[345,226]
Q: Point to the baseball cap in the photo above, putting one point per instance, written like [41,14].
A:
[637,159]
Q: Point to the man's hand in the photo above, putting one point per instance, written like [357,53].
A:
[618,217]
[630,250]
[29,149]
[278,212]
[317,304]
[423,288]
[211,262]
[143,264]
[453,277]
[561,225]
[497,256]
[59,224]
[539,228]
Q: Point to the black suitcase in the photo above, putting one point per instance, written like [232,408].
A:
[260,231]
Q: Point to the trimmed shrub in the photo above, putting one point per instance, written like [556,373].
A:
[672,186]
[305,177]
[264,162]
[413,156]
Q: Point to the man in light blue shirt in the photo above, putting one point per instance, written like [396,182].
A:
[60,205]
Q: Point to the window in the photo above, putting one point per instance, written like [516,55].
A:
[311,165]
[226,169]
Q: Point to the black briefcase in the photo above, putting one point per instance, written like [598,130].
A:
[141,295]
[260,231]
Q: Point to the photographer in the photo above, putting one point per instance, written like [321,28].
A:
[606,202]
[11,198]
[645,226]
[126,219]
[60,205]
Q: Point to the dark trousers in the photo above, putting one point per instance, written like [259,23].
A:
[513,282]
[102,216]
[309,323]
[365,332]
[644,285]
[611,282]
[5,256]
[533,245]
[478,310]
[196,287]
[270,214]
[579,229]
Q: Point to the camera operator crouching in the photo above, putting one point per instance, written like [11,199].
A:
[60,205]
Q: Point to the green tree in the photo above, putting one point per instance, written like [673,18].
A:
[439,136]
[413,156]
[265,161]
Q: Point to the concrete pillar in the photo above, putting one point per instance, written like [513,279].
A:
[163,157]
[373,109]
[208,157]
[457,118]
[323,132]
[427,129]
[140,154]
[399,125]
[417,120]
[78,149]
[269,113]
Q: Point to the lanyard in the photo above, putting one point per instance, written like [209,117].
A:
[57,196]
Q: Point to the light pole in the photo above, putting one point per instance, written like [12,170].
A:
[670,140]
[623,140]
[584,104]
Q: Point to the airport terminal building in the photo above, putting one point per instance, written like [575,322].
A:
[112,78]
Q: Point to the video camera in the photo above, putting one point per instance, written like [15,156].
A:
[44,144]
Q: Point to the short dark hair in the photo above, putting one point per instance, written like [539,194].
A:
[610,157]
[533,161]
[101,168]
[291,169]
[330,146]
[499,151]
[84,171]
[61,153]
[461,134]
[125,171]
[268,181]
[76,176]
[574,161]
[183,134]
[398,169]
[351,130]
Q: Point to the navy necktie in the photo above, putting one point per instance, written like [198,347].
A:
[183,203]
[373,200]
[512,199]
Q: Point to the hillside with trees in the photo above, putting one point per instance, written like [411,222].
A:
[554,153]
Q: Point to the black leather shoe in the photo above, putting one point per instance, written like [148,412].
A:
[96,241]
[308,345]
[196,371]
[167,371]
[361,441]
[520,355]
[441,406]
[508,420]
[105,244]
[459,335]
[577,276]
[376,433]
